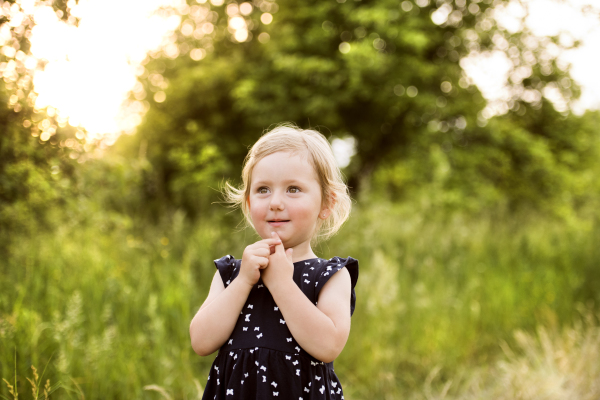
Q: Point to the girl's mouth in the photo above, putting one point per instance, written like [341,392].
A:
[278,223]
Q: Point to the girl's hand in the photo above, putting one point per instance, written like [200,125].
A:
[281,266]
[255,258]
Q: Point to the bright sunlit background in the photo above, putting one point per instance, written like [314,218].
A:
[565,19]
[91,68]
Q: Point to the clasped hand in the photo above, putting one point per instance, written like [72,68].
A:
[267,259]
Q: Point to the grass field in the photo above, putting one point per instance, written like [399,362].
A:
[444,303]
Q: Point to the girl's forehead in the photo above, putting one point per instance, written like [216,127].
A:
[284,165]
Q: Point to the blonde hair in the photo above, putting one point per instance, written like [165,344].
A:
[288,137]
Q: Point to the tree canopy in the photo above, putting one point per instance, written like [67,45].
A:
[385,73]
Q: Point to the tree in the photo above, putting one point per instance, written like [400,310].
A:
[385,73]
[36,170]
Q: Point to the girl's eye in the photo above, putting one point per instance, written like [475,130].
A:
[294,189]
[262,190]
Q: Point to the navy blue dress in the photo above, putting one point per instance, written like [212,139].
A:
[261,359]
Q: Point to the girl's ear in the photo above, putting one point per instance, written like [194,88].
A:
[326,211]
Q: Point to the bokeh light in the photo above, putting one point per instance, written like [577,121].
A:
[344,47]
[266,18]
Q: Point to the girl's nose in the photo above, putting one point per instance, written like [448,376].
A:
[276,203]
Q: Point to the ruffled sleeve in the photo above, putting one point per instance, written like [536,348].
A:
[332,266]
[227,267]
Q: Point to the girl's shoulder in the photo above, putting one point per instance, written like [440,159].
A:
[325,269]
[228,268]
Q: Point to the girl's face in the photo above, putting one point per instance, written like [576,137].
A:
[285,197]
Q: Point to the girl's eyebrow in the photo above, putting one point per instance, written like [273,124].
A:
[265,182]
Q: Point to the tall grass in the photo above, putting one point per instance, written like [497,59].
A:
[107,304]
[553,364]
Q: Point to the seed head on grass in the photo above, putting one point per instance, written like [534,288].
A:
[47,389]
[160,390]
[11,389]
[35,384]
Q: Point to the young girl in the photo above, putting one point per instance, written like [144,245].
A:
[281,315]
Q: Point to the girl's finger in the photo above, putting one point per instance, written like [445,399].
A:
[263,244]
[259,260]
[271,241]
[263,252]
[263,262]
[278,246]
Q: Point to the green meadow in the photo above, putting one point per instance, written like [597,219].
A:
[448,306]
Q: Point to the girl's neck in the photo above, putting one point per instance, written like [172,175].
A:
[302,252]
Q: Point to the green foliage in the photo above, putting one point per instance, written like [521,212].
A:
[541,160]
[399,91]
[35,177]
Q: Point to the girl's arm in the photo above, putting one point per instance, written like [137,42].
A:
[321,330]
[213,323]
